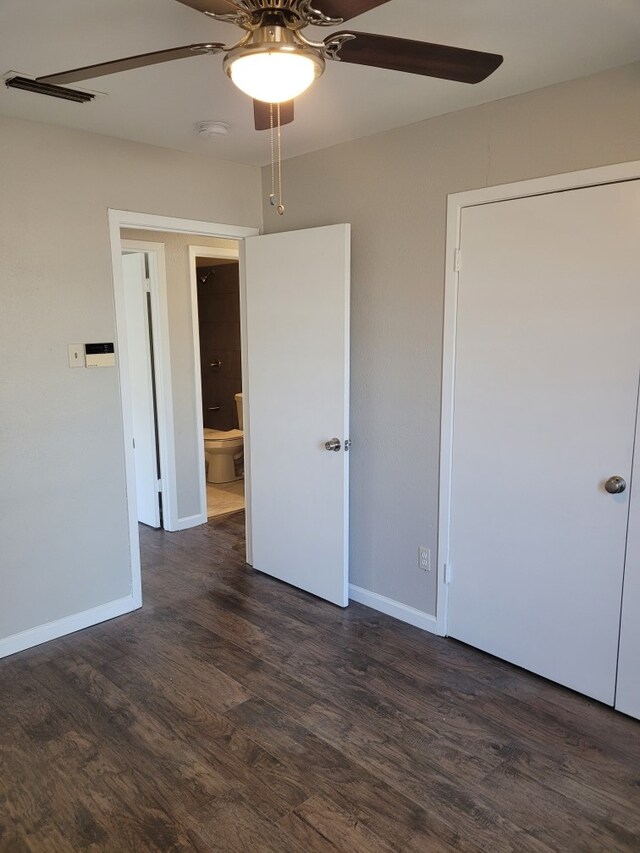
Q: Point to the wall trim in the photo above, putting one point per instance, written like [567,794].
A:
[400,611]
[190,521]
[455,205]
[155,253]
[67,625]
[213,252]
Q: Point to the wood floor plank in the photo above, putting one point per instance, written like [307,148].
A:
[13,842]
[241,761]
[412,733]
[329,824]
[171,658]
[232,825]
[457,810]
[254,674]
[167,773]
[552,817]
[236,713]
[614,797]
[519,728]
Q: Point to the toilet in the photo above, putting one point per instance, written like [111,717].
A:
[223,451]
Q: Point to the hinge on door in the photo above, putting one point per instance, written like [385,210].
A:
[158,485]
[456,260]
[147,285]
[447,573]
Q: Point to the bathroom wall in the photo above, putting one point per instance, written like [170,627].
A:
[219,314]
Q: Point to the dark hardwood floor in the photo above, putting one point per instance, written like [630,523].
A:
[234,713]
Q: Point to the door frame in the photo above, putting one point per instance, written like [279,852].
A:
[456,203]
[162,373]
[209,252]
[118,219]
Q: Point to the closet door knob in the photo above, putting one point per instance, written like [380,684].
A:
[615,485]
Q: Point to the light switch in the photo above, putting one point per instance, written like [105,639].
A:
[76,355]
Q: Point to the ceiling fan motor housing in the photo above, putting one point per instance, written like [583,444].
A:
[251,13]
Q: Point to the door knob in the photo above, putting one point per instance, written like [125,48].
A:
[615,485]
[334,444]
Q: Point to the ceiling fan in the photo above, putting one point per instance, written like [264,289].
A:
[274,61]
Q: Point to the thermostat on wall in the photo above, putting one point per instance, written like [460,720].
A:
[99,355]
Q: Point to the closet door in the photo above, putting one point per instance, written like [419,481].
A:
[546,389]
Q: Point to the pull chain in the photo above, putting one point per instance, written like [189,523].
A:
[280,207]
[276,200]
[272,195]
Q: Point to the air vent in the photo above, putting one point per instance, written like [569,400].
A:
[29,85]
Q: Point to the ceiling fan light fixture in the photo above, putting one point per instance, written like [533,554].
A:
[274,74]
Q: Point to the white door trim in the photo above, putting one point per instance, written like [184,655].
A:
[246,417]
[455,205]
[151,222]
[204,252]
[162,369]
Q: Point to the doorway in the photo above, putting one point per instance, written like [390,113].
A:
[217,289]
[172,287]
[177,353]
[296,391]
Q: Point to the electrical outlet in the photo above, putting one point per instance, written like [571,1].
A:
[424,558]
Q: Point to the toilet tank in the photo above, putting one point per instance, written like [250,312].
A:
[239,408]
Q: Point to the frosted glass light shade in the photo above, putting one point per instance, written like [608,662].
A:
[275,76]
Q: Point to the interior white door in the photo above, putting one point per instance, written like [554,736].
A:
[546,389]
[141,384]
[296,399]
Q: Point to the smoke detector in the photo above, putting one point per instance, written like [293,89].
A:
[212,129]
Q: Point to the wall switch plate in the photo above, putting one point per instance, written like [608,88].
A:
[76,355]
[424,558]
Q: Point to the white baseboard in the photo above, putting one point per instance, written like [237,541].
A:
[394,608]
[67,625]
[189,521]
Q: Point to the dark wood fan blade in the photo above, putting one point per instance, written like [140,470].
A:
[417,57]
[129,62]
[262,114]
[219,7]
[346,9]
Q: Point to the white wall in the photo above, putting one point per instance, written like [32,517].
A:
[63,525]
[393,189]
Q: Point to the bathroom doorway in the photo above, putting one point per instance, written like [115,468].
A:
[306,545]
[174,359]
[217,286]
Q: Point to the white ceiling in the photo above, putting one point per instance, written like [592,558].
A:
[543,42]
